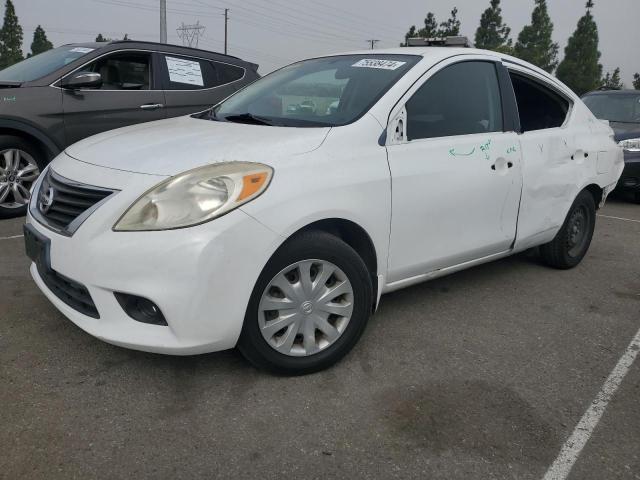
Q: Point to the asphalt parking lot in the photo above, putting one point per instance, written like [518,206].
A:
[482,374]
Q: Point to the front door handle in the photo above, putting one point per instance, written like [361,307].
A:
[501,164]
[151,106]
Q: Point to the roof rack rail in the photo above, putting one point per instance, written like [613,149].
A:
[457,41]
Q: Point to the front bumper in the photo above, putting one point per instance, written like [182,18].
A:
[630,179]
[201,278]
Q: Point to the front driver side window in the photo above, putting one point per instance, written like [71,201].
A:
[461,99]
[123,71]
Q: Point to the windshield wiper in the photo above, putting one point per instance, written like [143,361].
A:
[248,118]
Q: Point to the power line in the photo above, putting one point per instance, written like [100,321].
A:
[373,42]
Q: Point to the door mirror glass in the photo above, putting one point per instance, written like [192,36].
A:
[82,80]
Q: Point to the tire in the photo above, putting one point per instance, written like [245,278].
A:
[317,253]
[16,179]
[636,197]
[572,242]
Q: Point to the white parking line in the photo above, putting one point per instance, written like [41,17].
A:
[11,238]
[619,218]
[581,434]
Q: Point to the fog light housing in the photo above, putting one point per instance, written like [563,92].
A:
[140,309]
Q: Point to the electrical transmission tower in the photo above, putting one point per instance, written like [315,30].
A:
[373,42]
[190,34]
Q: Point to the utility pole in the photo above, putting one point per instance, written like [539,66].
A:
[163,21]
[226,28]
[373,42]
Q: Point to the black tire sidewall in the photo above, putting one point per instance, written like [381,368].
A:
[11,141]
[310,245]
[559,244]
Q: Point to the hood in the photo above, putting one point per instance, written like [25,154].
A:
[168,147]
[625,130]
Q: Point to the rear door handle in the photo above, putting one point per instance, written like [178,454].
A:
[578,154]
[151,106]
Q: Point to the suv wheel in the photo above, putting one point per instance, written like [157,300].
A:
[20,166]
[309,306]
[571,243]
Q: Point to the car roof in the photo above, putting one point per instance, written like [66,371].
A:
[420,51]
[142,43]
[438,53]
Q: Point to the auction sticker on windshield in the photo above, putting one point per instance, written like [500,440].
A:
[374,63]
[81,50]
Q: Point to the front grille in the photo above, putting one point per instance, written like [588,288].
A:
[63,204]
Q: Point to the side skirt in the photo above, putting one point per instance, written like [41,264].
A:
[390,287]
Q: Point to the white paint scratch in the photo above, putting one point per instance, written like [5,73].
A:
[619,218]
[583,431]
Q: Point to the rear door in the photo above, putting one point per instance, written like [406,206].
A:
[556,153]
[455,169]
[130,94]
[194,84]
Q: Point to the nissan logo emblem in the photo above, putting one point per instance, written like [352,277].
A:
[46,199]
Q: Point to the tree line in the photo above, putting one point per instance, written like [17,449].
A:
[12,36]
[580,69]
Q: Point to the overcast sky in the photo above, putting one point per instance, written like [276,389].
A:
[276,32]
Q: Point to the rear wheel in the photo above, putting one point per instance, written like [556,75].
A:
[20,166]
[571,243]
[309,307]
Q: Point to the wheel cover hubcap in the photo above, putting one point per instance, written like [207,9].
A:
[577,228]
[305,308]
[18,171]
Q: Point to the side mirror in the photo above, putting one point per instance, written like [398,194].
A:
[82,80]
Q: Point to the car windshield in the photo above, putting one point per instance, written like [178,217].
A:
[42,64]
[615,107]
[327,91]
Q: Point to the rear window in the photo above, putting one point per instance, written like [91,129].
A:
[615,107]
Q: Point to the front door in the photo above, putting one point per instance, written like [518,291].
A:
[128,96]
[456,175]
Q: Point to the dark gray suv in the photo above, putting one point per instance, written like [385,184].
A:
[66,94]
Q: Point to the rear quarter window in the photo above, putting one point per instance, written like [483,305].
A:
[228,73]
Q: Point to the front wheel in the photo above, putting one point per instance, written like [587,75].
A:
[309,306]
[20,166]
[571,243]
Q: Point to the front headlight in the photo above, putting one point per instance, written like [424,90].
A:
[196,196]
[631,144]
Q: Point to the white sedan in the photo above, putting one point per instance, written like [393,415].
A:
[275,228]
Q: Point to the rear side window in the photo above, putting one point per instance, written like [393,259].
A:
[539,106]
[461,99]
[228,73]
[190,73]
[197,74]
